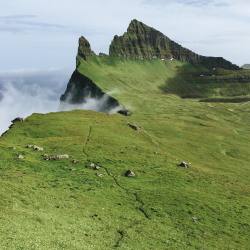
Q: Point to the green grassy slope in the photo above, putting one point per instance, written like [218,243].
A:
[61,205]
[172,77]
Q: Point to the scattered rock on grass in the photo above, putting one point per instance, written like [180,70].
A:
[75,161]
[134,126]
[129,173]
[94,166]
[55,157]
[34,147]
[184,164]
[20,157]
[195,219]
[124,112]
[99,175]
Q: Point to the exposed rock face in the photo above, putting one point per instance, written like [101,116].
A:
[84,49]
[143,42]
[80,88]
[129,173]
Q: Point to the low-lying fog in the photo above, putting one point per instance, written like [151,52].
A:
[25,92]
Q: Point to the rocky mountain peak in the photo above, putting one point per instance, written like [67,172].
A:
[84,48]
[144,42]
[135,25]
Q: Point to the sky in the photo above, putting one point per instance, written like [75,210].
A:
[43,34]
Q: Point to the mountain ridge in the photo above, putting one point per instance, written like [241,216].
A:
[183,72]
[143,42]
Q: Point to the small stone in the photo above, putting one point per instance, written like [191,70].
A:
[134,126]
[20,157]
[99,175]
[55,157]
[124,112]
[75,161]
[94,166]
[195,219]
[34,147]
[184,164]
[129,173]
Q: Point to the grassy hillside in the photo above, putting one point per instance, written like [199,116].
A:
[61,205]
[170,77]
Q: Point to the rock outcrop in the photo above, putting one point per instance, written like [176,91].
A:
[84,48]
[143,42]
[80,89]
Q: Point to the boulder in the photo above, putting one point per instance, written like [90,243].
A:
[20,157]
[55,157]
[124,112]
[134,126]
[99,175]
[184,164]
[94,166]
[34,147]
[129,173]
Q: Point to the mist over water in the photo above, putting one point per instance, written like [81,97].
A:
[25,92]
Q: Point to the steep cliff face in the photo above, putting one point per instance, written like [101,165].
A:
[84,48]
[82,90]
[143,42]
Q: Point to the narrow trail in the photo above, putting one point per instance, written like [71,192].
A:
[86,141]
[140,204]
[134,194]
[154,141]
[122,234]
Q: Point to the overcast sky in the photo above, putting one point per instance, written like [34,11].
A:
[43,34]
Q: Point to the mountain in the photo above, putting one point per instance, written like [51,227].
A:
[246,66]
[192,75]
[64,180]
[143,42]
